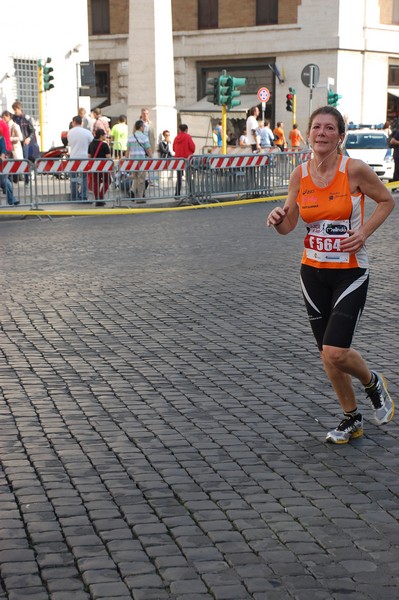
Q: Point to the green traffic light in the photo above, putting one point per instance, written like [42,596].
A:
[238,81]
[212,90]
[333,98]
[47,78]
[222,90]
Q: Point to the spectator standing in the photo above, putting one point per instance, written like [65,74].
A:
[27,130]
[79,139]
[5,132]
[148,127]
[119,135]
[387,128]
[243,141]
[16,136]
[183,147]
[100,122]
[218,131]
[395,145]
[296,138]
[87,120]
[5,182]
[165,145]
[279,136]
[252,129]
[266,137]
[138,147]
[99,148]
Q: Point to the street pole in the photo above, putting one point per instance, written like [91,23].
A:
[224,129]
[41,112]
[311,86]
[294,109]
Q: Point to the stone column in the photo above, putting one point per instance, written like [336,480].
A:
[151,69]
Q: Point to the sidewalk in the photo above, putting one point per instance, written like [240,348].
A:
[164,410]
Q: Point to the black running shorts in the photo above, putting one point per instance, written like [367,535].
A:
[334,299]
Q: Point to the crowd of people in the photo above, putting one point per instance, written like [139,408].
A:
[92,137]
[258,136]
[17,141]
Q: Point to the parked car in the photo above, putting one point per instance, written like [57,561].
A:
[371,146]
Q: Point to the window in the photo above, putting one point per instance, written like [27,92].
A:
[393,76]
[27,86]
[208,17]
[266,12]
[102,82]
[100,17]
[395,12]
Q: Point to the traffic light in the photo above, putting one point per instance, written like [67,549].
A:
[289,106]
[47,77]
[333,98]
[212,90]
[224,90]
[233,92]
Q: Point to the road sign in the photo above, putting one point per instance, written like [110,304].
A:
[263,94]
[310,75]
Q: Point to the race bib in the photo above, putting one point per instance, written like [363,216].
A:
[323,241]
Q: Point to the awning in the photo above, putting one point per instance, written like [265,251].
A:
[203,106]
[394,91]
[114,110]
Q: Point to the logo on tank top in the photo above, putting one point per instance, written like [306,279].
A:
[335,229]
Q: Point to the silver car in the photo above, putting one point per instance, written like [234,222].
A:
[372,147]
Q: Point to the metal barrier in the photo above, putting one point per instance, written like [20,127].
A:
[215,177]
[150,178]
[16,182]
[64,180]
[199,179]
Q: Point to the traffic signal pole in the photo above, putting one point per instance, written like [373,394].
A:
[224,129]
[41,119]
[44,79]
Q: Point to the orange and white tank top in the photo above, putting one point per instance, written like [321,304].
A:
[329,213]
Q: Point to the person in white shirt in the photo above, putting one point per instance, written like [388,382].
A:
[252,129]
[79,139]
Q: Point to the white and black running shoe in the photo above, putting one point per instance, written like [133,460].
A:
[382,402]
[349,428]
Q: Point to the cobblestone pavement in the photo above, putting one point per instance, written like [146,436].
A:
[163,413]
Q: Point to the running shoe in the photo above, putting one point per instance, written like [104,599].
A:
[382,402]
[349,428]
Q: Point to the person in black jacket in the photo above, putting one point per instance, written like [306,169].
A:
[165,145]
[30,149]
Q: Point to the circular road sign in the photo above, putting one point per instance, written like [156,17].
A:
[263,94]
[310,75]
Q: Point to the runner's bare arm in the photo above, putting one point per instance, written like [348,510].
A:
[285,218]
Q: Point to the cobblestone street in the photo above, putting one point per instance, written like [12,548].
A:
[163,414]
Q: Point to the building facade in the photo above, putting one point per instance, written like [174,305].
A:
[355,46]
